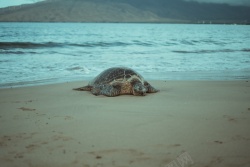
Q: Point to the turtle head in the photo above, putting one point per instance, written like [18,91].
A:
[96,90]
[139,89]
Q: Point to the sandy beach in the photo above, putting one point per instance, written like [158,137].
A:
[186,124]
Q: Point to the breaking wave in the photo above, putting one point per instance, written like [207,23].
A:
[31,45]
[211,51]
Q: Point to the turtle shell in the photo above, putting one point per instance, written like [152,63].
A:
[116,74]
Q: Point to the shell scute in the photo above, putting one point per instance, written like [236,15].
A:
[116,74]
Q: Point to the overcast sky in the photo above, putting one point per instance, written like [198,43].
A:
[5,3]
[234,2]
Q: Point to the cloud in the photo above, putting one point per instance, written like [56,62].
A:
[5,3]
[231,2]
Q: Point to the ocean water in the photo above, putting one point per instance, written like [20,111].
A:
[42,53]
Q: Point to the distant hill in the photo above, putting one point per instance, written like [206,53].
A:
[175,11]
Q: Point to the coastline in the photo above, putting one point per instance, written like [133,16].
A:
[52,125]
[159,76]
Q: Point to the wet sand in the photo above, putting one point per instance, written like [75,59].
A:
[188,123]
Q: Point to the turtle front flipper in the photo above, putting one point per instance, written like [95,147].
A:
[107,90]
[85,88]
[150,89]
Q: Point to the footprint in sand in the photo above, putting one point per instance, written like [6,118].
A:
[240,137]
[218,142]
[215,161]
[61,138]
[230,119]
[26,109]
[129,156]
[68,118]
[26,102]
[167,146]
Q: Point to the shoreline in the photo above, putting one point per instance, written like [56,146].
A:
[52,125]
[165,76]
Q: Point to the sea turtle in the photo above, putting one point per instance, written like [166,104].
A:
[118,81]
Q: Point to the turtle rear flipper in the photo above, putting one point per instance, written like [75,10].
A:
[85,88]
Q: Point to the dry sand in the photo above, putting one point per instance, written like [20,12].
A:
[188,123]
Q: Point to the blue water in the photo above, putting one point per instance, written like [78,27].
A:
[42,53]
